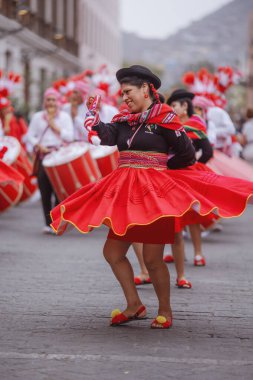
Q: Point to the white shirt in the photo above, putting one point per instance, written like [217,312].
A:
[39,124]
[223,124]
[247,130]
[80,133]
[211,132]
[107,112]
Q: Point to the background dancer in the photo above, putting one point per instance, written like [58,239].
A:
[11,124]
[178,257]
[77,109]
[181,101]
[143,278]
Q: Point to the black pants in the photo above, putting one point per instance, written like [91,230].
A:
[47,192]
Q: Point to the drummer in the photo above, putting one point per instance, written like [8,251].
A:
[77,109]
[48,130]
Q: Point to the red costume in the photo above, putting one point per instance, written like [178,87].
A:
[140,200]
[17,128]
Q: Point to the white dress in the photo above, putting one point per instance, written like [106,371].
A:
[220,119]
[247,131]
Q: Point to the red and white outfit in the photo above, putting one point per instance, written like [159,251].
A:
[39,124]
[196,130]
[17,129]
[40,133]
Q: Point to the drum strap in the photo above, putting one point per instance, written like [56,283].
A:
[43,134]
[38,156]
[52,147]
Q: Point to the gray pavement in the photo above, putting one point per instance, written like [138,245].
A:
[57,294]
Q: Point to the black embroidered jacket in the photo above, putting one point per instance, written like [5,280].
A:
[150,137]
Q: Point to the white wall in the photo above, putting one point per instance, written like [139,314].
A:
[99,33]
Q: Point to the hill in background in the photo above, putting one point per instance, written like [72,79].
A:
[221,38]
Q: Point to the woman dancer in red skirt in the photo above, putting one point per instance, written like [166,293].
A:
[140,200]
[196,130]
[181,102]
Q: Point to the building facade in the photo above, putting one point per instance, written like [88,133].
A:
[99,33]
[47,39]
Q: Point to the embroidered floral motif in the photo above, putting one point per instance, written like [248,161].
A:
[150,128]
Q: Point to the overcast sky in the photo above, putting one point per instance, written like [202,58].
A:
[161,18]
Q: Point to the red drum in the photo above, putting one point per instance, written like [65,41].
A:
[106,158]
[70,167]
[18,159]
[11,186]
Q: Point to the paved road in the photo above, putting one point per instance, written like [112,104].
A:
[57,294]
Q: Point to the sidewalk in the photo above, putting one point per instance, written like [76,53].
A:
[57,294]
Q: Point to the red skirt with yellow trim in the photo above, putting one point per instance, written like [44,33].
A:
[191,216]
[142,203]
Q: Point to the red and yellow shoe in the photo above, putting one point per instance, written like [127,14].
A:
[119,318]
[199,261]
[160,322]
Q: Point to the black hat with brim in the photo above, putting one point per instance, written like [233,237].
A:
[180,94]
[140,72]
